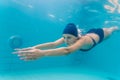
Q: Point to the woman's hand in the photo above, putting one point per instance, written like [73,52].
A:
[29,53]
[25,49]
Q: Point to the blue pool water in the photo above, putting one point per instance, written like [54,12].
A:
[34,22]
[64,73]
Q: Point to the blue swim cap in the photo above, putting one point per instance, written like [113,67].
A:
[71,29]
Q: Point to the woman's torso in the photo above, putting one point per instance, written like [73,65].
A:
[88,41]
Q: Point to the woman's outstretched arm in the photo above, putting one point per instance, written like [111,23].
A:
[48,45]
[37,53]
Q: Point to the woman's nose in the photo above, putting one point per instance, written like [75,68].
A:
[66,40]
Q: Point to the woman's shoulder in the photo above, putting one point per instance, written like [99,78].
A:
[83,38]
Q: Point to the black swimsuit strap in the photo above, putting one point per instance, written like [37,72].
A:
[92,46]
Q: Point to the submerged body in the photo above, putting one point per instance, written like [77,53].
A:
[72,38]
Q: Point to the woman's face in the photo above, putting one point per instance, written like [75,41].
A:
[69,39]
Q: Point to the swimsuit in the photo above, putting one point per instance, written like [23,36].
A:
[100,33]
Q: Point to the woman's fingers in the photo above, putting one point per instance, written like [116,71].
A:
[27,54]
[28,58]
[20,52]
[24,49]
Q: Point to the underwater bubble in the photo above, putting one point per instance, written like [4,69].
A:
[15,41]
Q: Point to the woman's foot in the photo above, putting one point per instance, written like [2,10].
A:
[115,28]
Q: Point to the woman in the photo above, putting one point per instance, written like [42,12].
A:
[72,38]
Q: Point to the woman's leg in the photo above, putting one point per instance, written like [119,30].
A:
[109,31]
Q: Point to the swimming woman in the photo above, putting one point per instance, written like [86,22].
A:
[72,38]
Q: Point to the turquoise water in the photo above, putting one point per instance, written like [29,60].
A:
[64,73]
[43,21]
